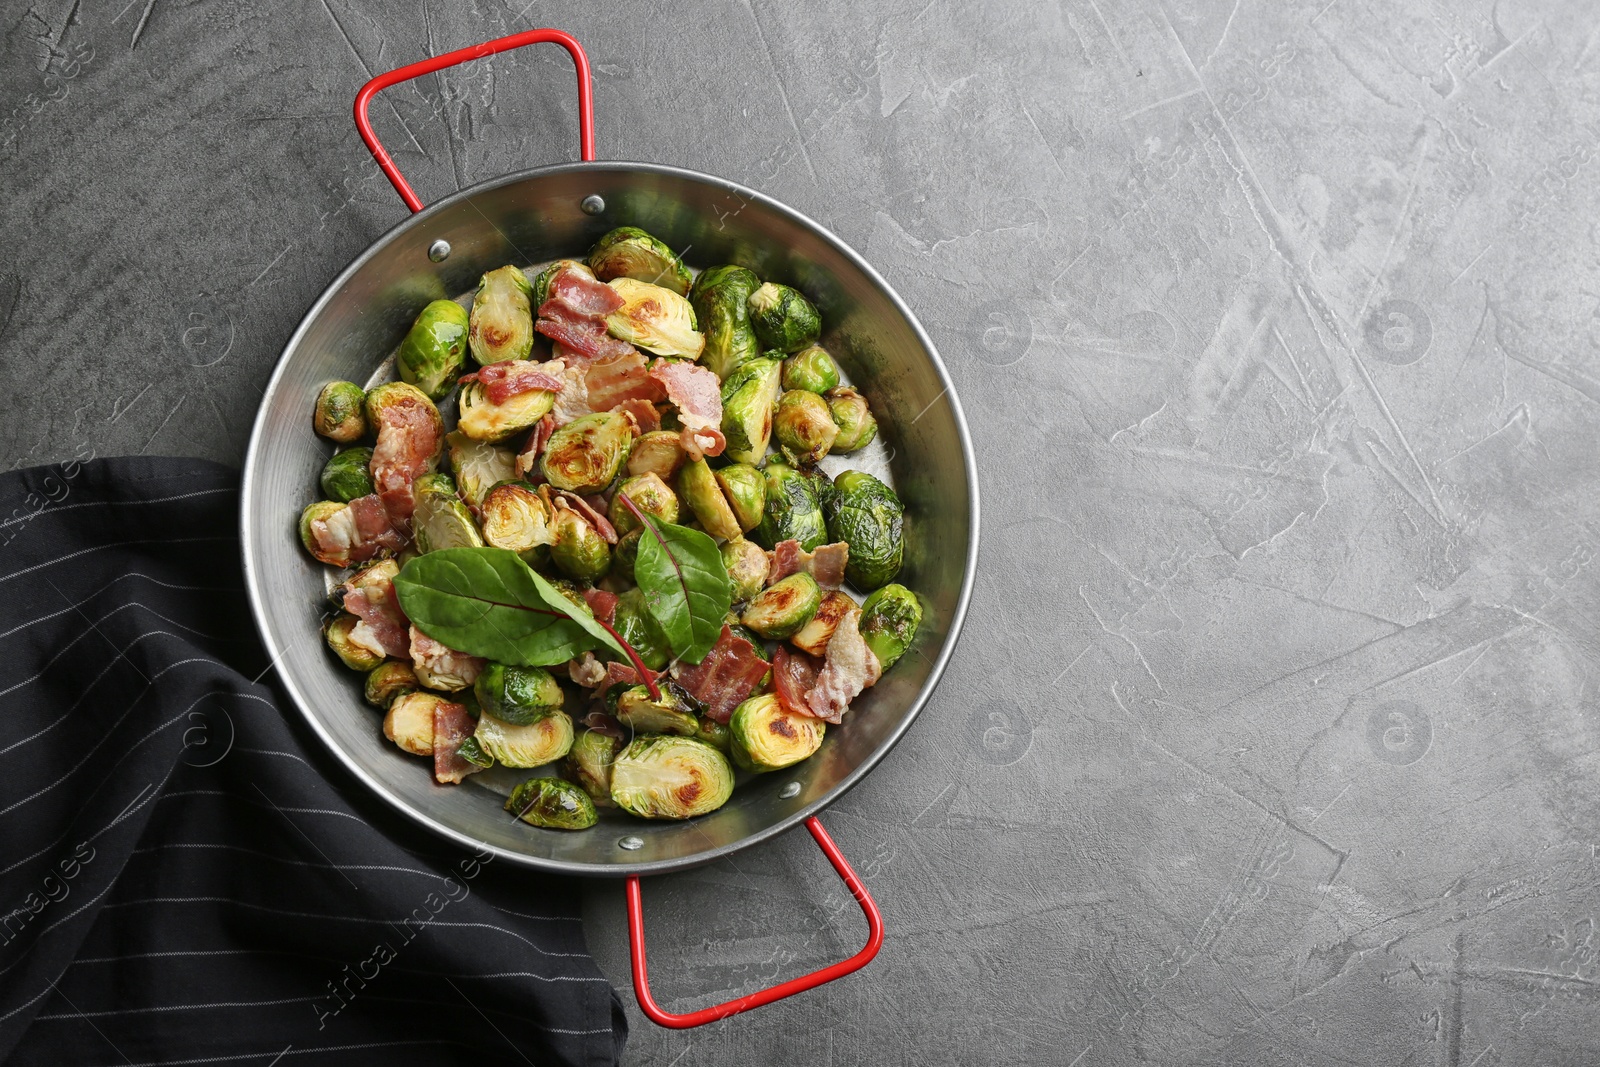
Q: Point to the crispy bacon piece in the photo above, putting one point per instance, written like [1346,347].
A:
[849,668]
[643,415]
[620,378]
[601,524]
[448,668]
[602,603]
[370,596]
[512,377]
[358,532]
[697,394]
[620,674]
[533,448]
[452,724]
[724,679]
[574,316]
[794,674]
[580,337]
[408,447]
[826,564]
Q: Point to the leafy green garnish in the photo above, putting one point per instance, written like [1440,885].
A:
[685,584]
[487,602]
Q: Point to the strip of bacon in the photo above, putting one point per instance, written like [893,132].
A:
[579,337]
[576,292]
[725,678]
[643,415]
[533,448]
[512,377]
[452,724]
[697,394]
[826,564]
[602,603]
[408,447]
[849,668]
[620,674]
[621,378]
[370,596]
[794,674]
[602,525]
[356,533]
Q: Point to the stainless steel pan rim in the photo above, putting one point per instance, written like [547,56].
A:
[786,823]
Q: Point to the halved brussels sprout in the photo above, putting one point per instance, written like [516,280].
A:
[659,452]
[814,636]
[765,737]
[852,415]
[534,745]
[552,803]
[518,695]
[672,714]
[783,318]
[435,349]
[517,518]
[389,681]
[650,495]
[889,620]
[409,721]
[654,318]
[780,610]
[629,252]
[623,555]
[746,490]
[501,324]
[541,284]
[354,656]
[748,397]
[670,778]
[487,421]
[792,510]
[804,426]
[346,475]
[720,297]
[478,466]
[640,629]
[441,519]
[714,734]
[589,764]
[811,369]
[697,484]
[586,454]
[340,412]
[579,551]
[866,514]
[747,566]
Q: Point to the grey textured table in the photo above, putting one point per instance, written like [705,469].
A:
[1271,736]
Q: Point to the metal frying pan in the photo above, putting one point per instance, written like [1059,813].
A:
[539,215]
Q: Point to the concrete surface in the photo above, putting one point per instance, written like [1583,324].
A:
[1271,739]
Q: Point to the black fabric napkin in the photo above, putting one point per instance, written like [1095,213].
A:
[185,877]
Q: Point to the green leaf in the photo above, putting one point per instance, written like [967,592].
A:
[487,602]
[685,586]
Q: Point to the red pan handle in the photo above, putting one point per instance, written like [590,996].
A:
[641,979]
[461,55]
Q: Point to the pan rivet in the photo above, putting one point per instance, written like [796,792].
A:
[630,843]
[592,205]
[439,251]
[790,790]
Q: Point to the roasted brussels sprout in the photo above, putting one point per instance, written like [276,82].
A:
[541,284]
[780,610]
[765,737]
[340,412]
[435,349]
[589,764]
[814,636]
[650,495]
[639,628]
[346,475]
[865,513]
[629,252]
[552,803]
[441,519]
[720,297]
[354,656]
[389,681]
[656,319]
[659,452]
[672,714]
[698,487]
[746,491]
[623,555]
[714,734]
[409,721]
[579,551]
[398,405]
[811,369]
[542,741]
[478,466]
[783,318]
[889,620]
[757,642]
[670,778]
[328,511]
[501,324]
[749,395]
[747,565]
[517,695]
[853,417]
[792,510]
[804,426]
[485,420]
[586,454]
[517,518]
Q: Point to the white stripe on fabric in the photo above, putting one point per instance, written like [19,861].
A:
[299,863]
[542,918]
[117,503]
[103,548]
[247,800]
[205,952]
[292,1051]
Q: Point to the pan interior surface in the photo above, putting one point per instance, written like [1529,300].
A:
[531,218]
